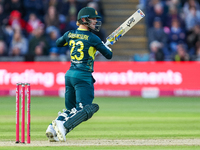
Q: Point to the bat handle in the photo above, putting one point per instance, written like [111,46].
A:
[107,43]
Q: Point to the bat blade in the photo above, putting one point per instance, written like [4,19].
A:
[125,27]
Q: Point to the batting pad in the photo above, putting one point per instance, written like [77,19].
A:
[82,115]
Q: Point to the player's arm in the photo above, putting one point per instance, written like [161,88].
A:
[103,48]
[62,41]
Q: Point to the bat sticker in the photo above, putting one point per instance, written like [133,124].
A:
[140,12]
[113,38]
[130,21]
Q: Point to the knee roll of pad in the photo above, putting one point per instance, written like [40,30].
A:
[82,115]
[91,109]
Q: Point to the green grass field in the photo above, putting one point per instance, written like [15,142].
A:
[126,119]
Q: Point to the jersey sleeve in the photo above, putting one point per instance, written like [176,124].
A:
[106,52]
[63,40]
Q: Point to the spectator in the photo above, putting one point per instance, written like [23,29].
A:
[192,18]
[18,45]
[8,32]
[15,20]
[174,3]
[33,23]
[156,53]
[10,5]
[67,14]
[39,50]
[156,33]
[34,6]
[2,34]
[56,3]
[174,14]
[53,35]
[39,40]
[3,48]
[188,4]
[181,54]
[3,21]
[156,11]
[72,22]
[54,52]
[176,35]
[51,18]
[192,38]
[3,16]
[70,7]
[197,58]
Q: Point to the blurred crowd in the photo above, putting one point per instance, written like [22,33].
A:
[30,28]
[173,29]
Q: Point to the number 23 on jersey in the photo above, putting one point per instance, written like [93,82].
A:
[80,56]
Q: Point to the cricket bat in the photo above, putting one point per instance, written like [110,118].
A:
[124,27]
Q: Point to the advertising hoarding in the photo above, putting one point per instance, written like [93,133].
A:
[112,78]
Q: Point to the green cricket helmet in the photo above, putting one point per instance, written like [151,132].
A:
[89,12]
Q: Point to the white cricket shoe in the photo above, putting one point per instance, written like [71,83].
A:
[60,129]
[51,134]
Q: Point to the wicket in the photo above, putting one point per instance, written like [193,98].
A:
[23,85]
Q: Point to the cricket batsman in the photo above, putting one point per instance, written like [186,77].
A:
[79,82]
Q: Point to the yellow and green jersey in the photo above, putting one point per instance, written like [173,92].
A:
[83,45]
